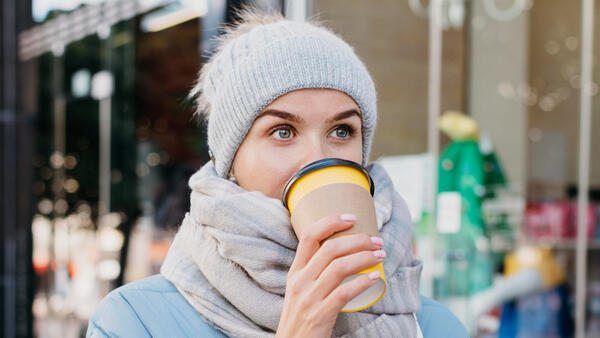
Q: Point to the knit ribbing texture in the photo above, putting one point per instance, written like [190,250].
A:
[254,69]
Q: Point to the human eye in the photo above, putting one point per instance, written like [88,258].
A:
[343,131]
[282,133]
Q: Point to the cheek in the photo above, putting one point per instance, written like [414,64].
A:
[260,169]
[353,151]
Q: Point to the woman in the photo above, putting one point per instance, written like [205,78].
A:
[278,95]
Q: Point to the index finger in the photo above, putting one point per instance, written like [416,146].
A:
[311,237]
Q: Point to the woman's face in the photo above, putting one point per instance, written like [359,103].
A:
[296,129]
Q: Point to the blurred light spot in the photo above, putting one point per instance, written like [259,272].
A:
[142,169]
[153,159]
[455,13]
[552,47]
[529,256]
[506,90]
[571,43]
[70,162]
[40,307]
[111,220]
[571,68]
[45,206]
[80,83]
[56,302]
[57,160]
[58,48]
[535,135]
[121,39]
[41,230]
[84,208]
[61,206]
[116,176]
[574,81]
[547,103]
[103,31]
[531,99]
[71,185]
[110,239]
[482,243]
[108,269]
[447,165]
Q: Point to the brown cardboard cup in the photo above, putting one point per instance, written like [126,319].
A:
[336,186]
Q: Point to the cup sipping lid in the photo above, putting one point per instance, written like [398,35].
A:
[316,165]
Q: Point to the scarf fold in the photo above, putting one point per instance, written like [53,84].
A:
[231,255]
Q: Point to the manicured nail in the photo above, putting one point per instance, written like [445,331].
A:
[374,275]
[348,217]
[377,241]
[379,253]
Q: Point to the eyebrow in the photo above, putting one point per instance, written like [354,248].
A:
[296,119]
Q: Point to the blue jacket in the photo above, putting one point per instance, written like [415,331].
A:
[152,307]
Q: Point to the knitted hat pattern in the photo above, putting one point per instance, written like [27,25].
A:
[253,69]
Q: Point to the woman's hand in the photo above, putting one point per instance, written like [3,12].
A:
[314,294]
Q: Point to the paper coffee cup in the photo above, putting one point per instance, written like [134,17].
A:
[335,186]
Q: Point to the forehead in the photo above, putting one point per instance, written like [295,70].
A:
[313,101]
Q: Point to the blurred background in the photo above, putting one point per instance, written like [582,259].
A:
[488,125]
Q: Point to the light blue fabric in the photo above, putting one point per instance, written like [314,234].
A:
[152,307]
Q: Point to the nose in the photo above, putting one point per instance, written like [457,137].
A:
[313,151]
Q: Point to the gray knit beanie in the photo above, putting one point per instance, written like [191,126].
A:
[252,69]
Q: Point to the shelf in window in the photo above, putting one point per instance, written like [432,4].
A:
[562,243]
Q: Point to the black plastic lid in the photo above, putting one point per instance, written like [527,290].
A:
[326,162]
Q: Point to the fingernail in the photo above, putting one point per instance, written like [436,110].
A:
[379,253]
[374,275]
[377,241]
[348,217]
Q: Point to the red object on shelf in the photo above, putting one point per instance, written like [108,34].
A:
[534,220]
[556,220]
[547,220]
[557,216]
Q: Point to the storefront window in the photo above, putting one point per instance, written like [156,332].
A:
[116,143]
[514,69]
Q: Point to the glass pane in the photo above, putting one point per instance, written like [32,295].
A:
[523,66]
[393,41]
[151,146]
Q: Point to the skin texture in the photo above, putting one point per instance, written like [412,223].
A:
[294,130]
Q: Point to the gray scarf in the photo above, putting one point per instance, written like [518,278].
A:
[231,256]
